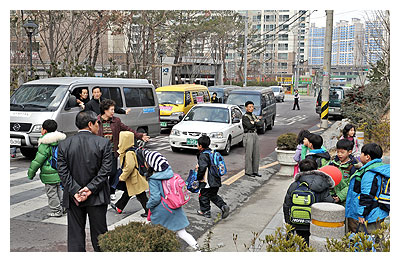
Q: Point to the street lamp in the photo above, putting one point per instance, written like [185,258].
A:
[161,53]
[30,28]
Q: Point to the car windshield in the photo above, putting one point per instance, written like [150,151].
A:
[275,89]
[335,94]
[208,114]
[241,99]
[170,97]
[37,97]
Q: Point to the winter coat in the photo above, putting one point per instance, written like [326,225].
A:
[347,170]
[319,182]
[48,175]
[85,159]
[94,105]
[364,187]
[135,183]
[321,156]
[173,219]
[203,174]
[117,126]
[297,154]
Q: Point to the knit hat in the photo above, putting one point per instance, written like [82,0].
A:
[156,161]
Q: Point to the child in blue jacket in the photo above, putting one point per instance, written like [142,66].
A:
[364,189]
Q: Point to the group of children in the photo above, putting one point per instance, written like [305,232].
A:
[362,175]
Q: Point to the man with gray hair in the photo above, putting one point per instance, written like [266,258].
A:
[84,164]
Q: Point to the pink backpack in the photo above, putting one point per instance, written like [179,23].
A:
[175,191]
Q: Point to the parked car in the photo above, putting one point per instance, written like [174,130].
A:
[222,91]
[264,103]
[53,98]
[176,100]
[336,96]
[279,93]
[221,122]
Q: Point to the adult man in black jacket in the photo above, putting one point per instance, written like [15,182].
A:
[94,103]
[84,164]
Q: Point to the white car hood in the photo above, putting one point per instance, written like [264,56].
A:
[200,126]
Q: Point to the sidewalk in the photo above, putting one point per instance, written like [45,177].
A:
[261,214]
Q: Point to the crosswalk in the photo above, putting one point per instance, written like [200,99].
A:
[284,121]
[28,202]
[159,143]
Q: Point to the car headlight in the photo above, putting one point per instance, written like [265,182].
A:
[217,135]
[175,132]
[37,129]
[177,114]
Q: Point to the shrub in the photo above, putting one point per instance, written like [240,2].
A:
[284,240]
[139,237]
[287,141]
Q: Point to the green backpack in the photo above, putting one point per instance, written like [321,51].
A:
[302,199]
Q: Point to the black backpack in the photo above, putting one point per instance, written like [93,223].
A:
[302,199]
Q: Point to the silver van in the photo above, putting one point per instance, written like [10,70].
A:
[55,98]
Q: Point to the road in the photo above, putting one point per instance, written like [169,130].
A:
[32,230]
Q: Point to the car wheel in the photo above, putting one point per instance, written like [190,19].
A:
[29,153]
[175,149]
[227,149]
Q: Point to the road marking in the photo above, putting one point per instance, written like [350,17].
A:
[232,179]
[25,187]
[321,129]
[19,175]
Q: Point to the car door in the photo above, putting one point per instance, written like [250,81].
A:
[237,129]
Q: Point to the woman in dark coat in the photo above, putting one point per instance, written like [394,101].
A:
[110,127]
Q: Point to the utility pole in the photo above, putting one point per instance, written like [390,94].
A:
[326,69]
[245,49]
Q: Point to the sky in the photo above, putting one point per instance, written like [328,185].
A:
[319,17]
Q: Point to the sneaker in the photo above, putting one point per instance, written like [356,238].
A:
[113,206]
[144,214]
[55,214]
[225,211]
[113,196]
[204,214]
[13,156]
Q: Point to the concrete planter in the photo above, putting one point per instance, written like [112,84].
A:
[285,158]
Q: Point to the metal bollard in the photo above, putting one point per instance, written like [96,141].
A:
[327,221]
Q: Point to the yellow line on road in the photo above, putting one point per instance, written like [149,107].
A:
[232,179]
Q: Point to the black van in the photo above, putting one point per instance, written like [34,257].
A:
[222,91]
[264,103]
[336,96]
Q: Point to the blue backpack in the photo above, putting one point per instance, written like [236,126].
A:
[217,163]
[53,157]
[384,192]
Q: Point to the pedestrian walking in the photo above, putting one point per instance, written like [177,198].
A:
[313,183]
[250,140]
[94,103]
[296,100]
[110,127]
[209,182]
[13,152]
[48,175]
[349,133]
[84,164]
[160,213]
[131,181]
[362,206]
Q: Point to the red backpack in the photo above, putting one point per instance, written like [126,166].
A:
[175,192]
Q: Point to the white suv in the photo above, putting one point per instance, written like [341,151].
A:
[221,122]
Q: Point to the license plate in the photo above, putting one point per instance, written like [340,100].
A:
[15,141]
[191,142]
[163,124]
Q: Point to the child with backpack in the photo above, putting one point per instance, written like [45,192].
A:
[368,198]
[164,208]
[310,186]
[209,181]
[317,151]
[347,164]
[46,160]
[131,181]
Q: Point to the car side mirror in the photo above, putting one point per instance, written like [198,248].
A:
[71,102]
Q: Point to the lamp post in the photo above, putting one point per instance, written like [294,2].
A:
[30,27]
[161,53]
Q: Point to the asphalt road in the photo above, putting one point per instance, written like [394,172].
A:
[31,230]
